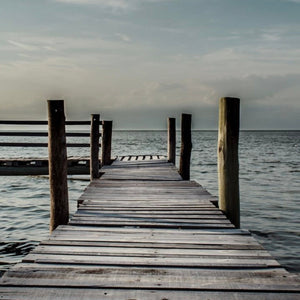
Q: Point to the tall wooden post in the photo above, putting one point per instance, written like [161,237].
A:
[59,210]
[228,162]
[94,156]
[106,142]
[172,140]
[186,146]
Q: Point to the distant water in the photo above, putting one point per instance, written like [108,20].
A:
[269,186]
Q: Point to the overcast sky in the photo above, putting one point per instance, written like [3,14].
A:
[139,61]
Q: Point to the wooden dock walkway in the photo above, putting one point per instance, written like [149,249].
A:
[141,232]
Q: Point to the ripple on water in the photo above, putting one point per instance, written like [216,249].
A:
[12,252]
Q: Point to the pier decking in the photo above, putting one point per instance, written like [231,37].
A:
[141,232]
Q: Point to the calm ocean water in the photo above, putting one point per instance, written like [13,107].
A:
[269,186]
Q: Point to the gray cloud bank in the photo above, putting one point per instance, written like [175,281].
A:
[269,102]
[139,61]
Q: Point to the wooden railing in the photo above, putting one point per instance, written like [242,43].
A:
[41,133]
[75,164]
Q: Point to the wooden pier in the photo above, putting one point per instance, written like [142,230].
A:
[141,232]
[40,166]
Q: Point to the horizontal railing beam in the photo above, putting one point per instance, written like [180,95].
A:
[23,122]
[6,144]
[36,133]
[28,122]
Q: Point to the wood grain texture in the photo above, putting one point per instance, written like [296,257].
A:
[228,161]
[186,146]
[59,211]
[140,232]
[172,140]
[94,150]
[106,142]
[73,293]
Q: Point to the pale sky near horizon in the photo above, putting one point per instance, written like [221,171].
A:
[139,61]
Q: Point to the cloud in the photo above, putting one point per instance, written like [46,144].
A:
[295,1]
[119,5]
[23,46]
[123,37]
[270,37]
[265,100]
[223,55]
[258,90]
[87,52]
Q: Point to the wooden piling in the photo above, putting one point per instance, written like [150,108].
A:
[59,209]
[94,157]
[186,146]
[228,162]
[172,140]
[106,142]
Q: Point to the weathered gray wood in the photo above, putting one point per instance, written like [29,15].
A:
[95,215]
[228,163]
[156,278]
[156,245]
[106,142]
[134,239]
[154,172]
[139,221]
[31,122]
[142,212]
[39,166]
[183,225]
[185,233]
[172,140]
[148,239]
[143,205]
[146,251]
[166,239]
[133,183]
[59,211]
[199,262]
[67,293]
[10,144]
[94,156]
[40,133]
[186,146]
[153,237]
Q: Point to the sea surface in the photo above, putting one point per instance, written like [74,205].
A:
[269,188]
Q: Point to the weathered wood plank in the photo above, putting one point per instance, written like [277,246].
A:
[88,250]
[153,238]
[146,211]
[148,215]
[157,231]
[151,224]
[119,183]
[157,245]
[154,278]
[158,261]
[198,219]
[57,293]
